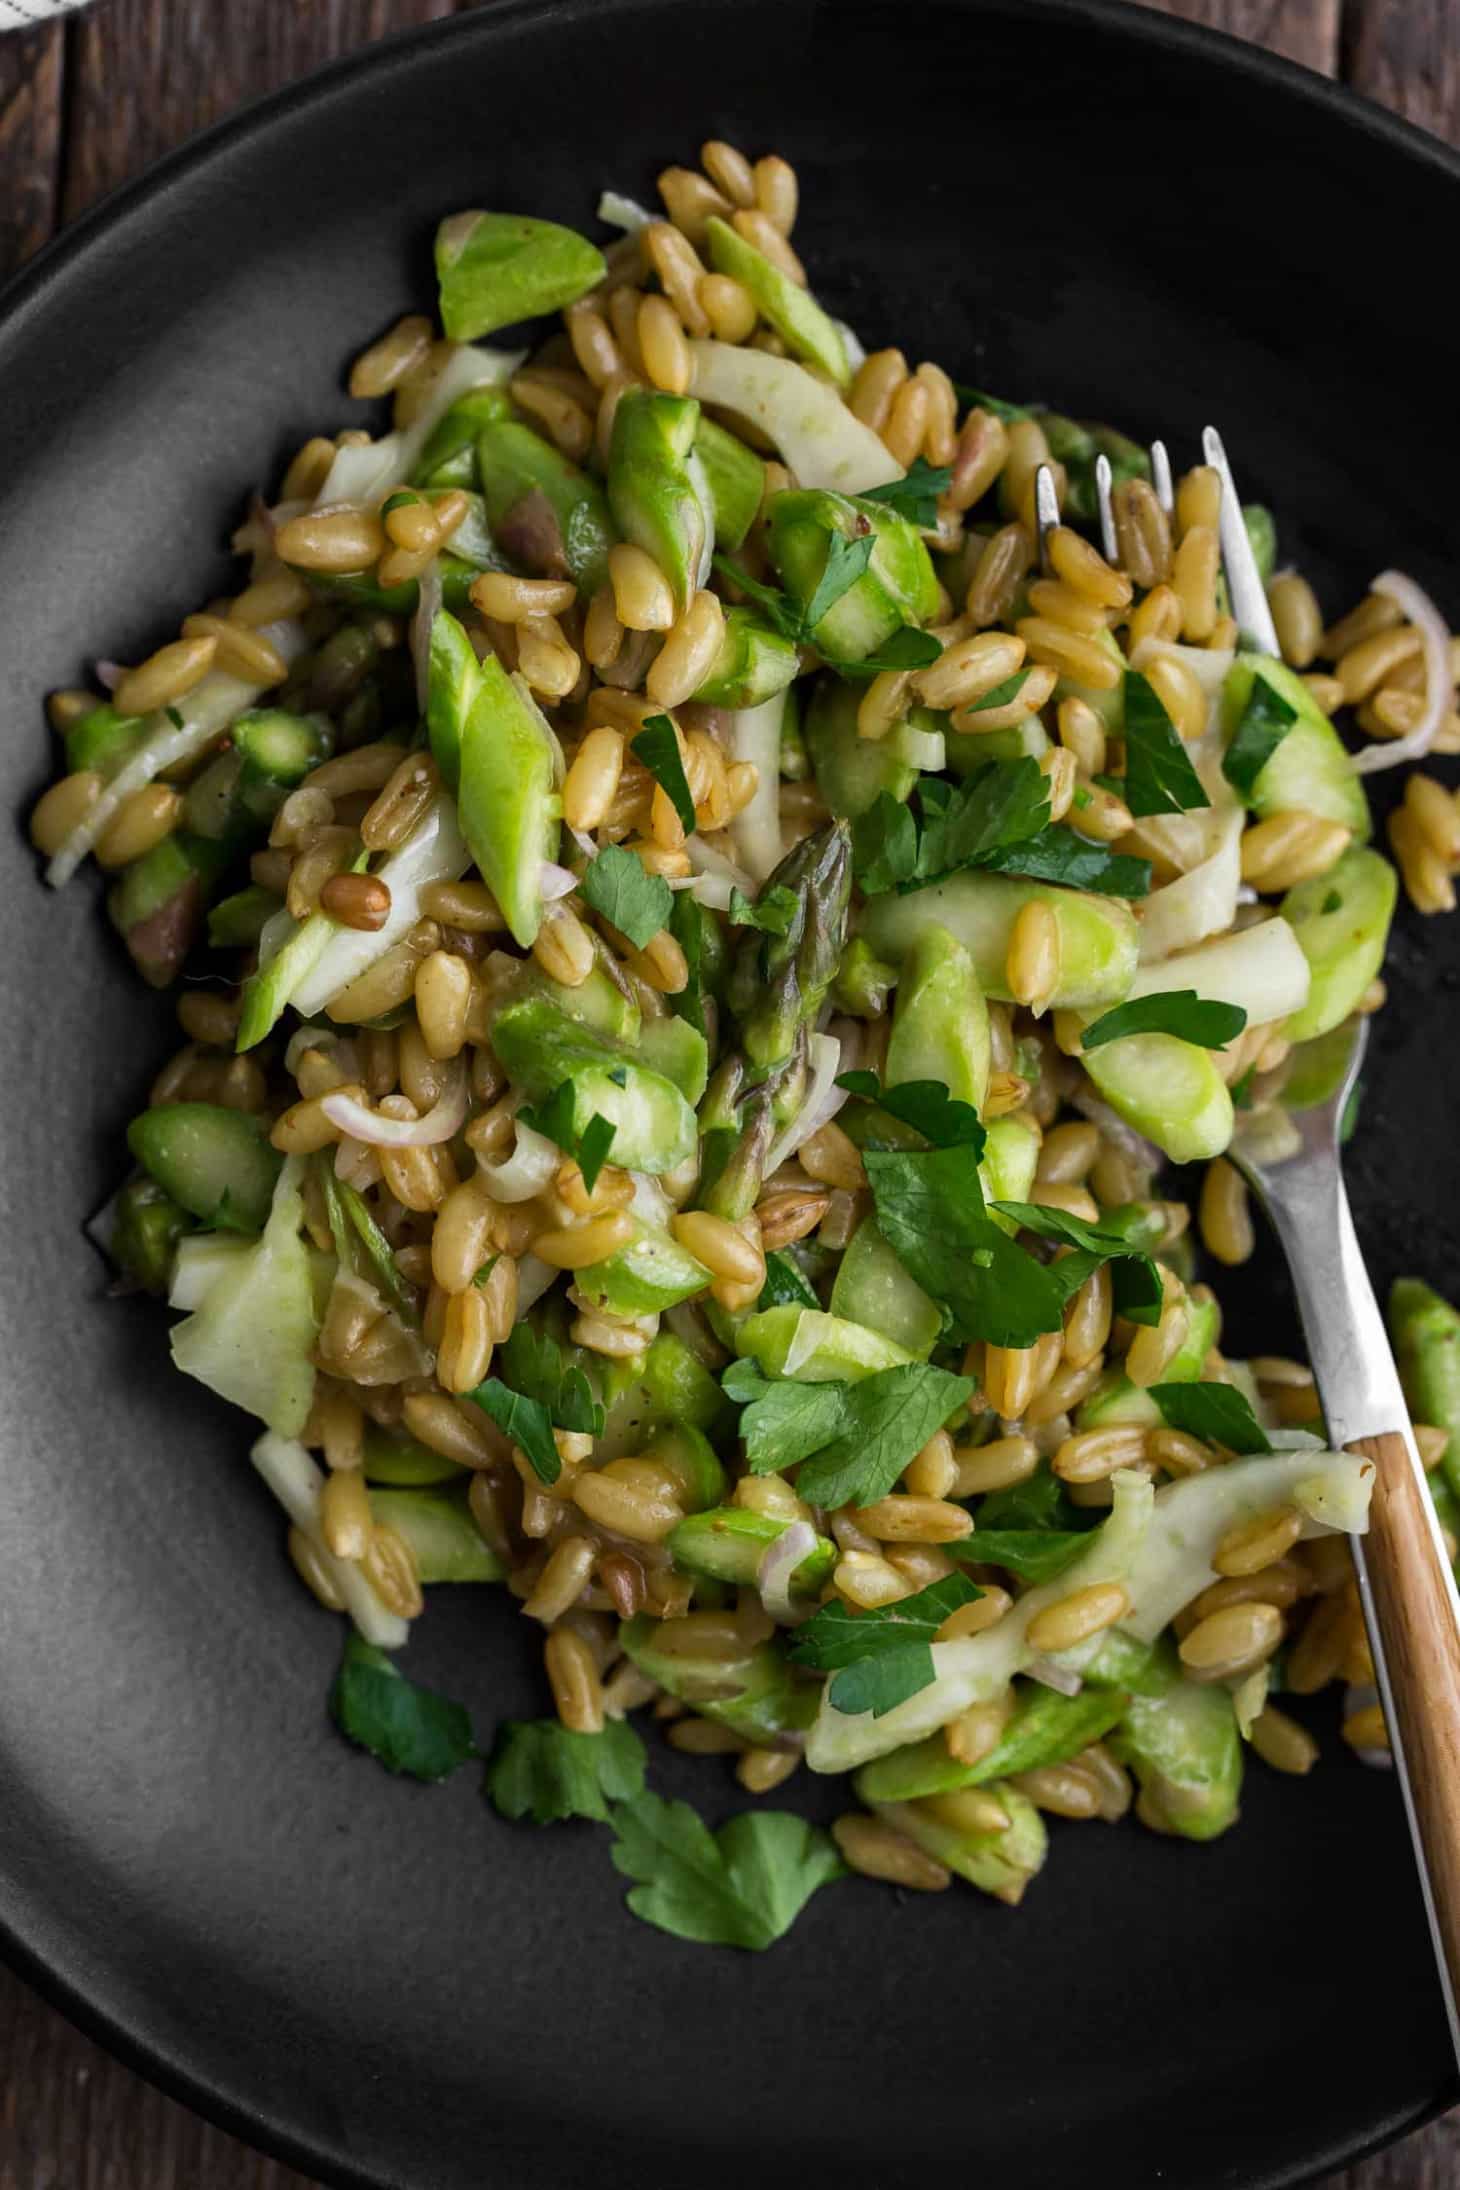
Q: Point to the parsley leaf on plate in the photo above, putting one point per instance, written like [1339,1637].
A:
[914,496]
[772,912]
[537,1391]
[908,648]
[1136,1280]
[618,885]
[410,1729]
[925,1105]
[883,1656]
[658,748]
[1266,720]
[887,1420]
[554,1120]
[538,1769]
[846,562]
[1058,854]
[1002,804]
[1159,777]
[930,1210]
[1182,1012]
[1217,1412]
[526,1421]
[742,1886]
[783,1421]
[785,1284]
[884,845]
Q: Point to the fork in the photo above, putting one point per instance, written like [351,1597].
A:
[1406,1584]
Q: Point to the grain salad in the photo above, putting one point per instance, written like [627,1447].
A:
[704,897]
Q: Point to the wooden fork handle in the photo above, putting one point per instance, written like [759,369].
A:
[1414,1607]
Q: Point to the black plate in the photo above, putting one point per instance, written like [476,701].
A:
[1134,221]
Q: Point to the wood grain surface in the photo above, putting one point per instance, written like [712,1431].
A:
[87,104]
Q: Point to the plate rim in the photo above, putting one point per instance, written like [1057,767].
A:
[264,2129]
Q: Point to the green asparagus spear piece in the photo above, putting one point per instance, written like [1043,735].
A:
[215,1163]
[727,1544]
[1098,935]
[548,516]
[147,1226]
[1341,919]
[863,981]
[540,1047]
[951,1829]
[1426,1334]
[234,799]
[102,740]
[1116,1399]
[1310,770]
[853,771]
[779,981]
[1044,1728]
[449,456]
[1184,1748]
[758,1696]
[873,1290]
[597,1003]
[650,1273]
[438,1526]
[651,491]
[940,1026]
[1169,1090]
[753,663]
[693,1462]
[807,331]
[736,479]
[237,922]
[897,587]
[403,1463]
[156,904]
[813,1347]
[674,1048]
[494,269]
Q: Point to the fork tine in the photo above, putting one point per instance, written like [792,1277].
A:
[1046,510]
[1108,541]
[1244,581]
[1161,478]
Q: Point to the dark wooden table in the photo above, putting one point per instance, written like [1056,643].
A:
[84,105]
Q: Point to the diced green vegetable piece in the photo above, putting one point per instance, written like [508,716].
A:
[147,1225]
[279,748]
[215,1163]
[548,516]
[237,922]
[753,664]
[404,1463]
[1001,1863]
[1184,1748]
[650,489]
[1123,1661]
[873,1289]
[438,1526]
[449,456]
[758,1696]
[736,478]
[494,269]
[940,1025]
[694,1463]
[677,1050]
[102,740]
[1262,537]
[863,981]
[1010,1158]
[1169,1090]
[156,904]
[668,1385]
[650,1273]
[1045,1728]
[898,587]
[727,1544]
[252,1338]
[1426,1334]
[1310,771]
[598,1002]
[539,1048]
[813,1347]
[967,751]
[807,331]
[1098,935]
[1116,1399]
[507,797]
[1343,942]
[853,771]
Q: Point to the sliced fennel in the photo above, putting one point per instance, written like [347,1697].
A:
[435,851]
[1202,901]
[296,1482]
[173,735]
[977,1668]
[251,1337]
[821,443]
[1263,969]
[366,471]
[823,1099]
[199,1262]
[754,734]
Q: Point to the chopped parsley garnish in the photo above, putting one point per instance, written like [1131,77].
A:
[1218,1413]
[658,748]
[618,885]
[411,1730]
[743,1886]
[1266,720]
[1159,777]
[883,1656]
[538,1769]
[1193,1018]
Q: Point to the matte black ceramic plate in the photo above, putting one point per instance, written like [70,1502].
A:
[1130,220]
